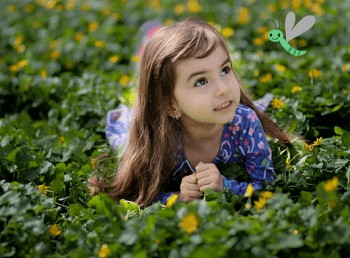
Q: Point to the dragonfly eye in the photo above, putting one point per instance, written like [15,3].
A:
[270,34]
[278,34]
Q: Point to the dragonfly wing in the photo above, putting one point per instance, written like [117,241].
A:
[289,23]
[302,26]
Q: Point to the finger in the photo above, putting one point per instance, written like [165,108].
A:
[204,166]
[192,179]
[204,174]
[190,187]
[194,194]
[204,181]
[216,186]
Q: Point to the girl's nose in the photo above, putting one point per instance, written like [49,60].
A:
[222,88]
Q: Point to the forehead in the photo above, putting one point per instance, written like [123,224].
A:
[186,66]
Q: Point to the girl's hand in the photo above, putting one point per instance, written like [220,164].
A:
[209,177]
[189,189]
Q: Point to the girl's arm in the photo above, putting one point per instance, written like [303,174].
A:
[256,155]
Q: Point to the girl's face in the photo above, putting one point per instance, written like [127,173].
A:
[206,90]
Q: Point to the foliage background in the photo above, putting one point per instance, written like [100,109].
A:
[64,64]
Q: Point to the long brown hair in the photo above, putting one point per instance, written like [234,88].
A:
[150,157]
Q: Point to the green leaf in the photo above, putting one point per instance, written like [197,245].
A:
[12,155]
[345,138]
[338,130]
[57,185]
[75,209]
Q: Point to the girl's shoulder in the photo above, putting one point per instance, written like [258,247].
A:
[243,115]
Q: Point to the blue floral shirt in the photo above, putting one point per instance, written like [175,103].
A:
[243,141]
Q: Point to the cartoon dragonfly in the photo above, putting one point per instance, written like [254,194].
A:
[292,32]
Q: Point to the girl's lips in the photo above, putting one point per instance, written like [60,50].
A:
[224,106]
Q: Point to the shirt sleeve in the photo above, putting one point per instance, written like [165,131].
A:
[256,155]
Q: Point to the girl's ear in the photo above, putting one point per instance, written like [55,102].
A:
[173,110]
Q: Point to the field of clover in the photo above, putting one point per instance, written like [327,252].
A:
[65,63]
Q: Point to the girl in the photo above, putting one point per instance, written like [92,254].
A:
[190,116]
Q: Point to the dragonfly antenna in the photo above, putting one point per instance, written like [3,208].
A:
[273,22]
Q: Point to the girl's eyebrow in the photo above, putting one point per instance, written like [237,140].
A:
[227,60]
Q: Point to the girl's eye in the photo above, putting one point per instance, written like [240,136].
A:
[225,70]
[200,82]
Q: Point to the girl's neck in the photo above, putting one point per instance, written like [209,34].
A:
[206,134]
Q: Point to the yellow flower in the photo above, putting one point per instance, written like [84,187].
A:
[271,7]
[28,8]
[262,30]
[172,199]
[287,161]
[277,103]
[266,78]
[135,58]
[20,48]
[114,59]
[22,63]
[193,6]
[51,4]
[104,251]
[332,203]
[189,223]
[43,188]
[155,4]
[345,67]
[92,26]
[85,7]
[266,194]
[55,54]
[307,3]
[179,9]
[11,8]
[18,66]
[94,163]
[308,147]
[116,16]
[258,41]
[243,15]
[318,141]
[106,11]
[284,5]
[317,9]
[43,73]
[280,68]
[124,80]
[331,184]
[296,88]
[70,5]
[59,8]
[296,4]
[295,232]
[315,73]
[260,204]
[18,41]
[168,22]
[99,43]
[227,32]
[249,191]
[256,73]
[302,42]
[61,138]
[78,36]
[55,230]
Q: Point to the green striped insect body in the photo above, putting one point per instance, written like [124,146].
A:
[302,26]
